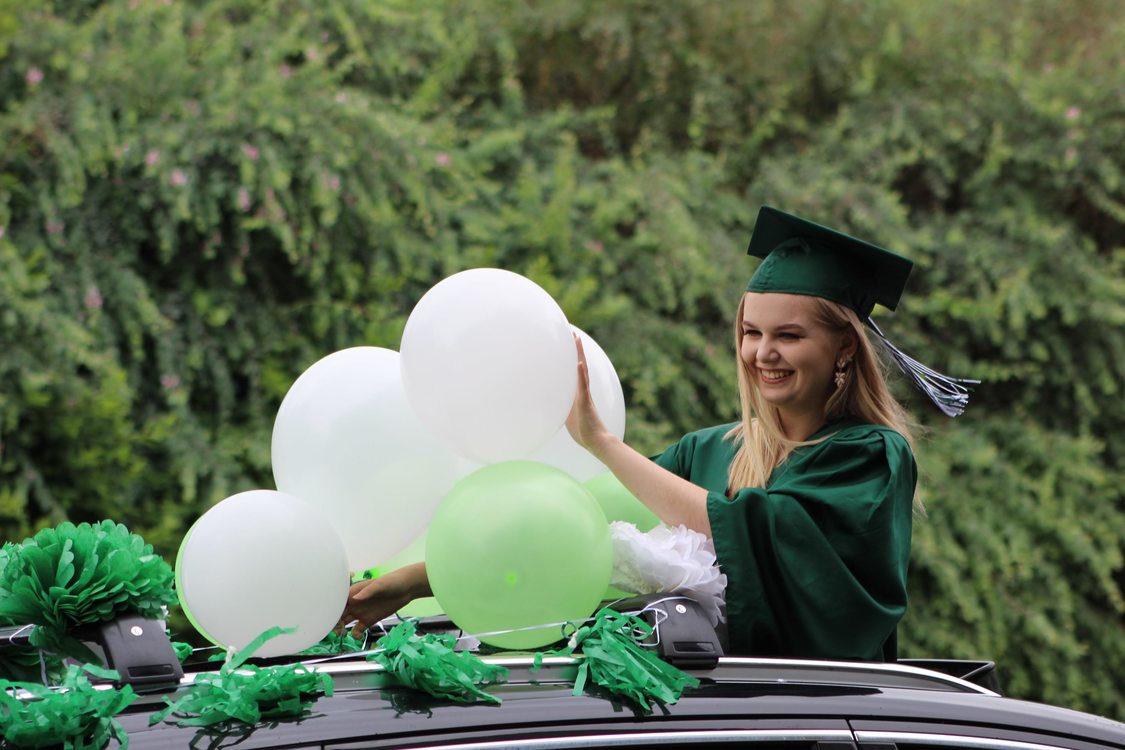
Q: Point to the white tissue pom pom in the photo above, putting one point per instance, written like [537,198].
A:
[668,560]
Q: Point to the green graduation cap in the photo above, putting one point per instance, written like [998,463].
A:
[803,257]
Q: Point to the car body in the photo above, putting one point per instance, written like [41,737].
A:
[766,704]
[762,703]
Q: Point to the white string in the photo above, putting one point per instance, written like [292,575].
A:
[12,638]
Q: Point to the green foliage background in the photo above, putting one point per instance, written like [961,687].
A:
[200,199]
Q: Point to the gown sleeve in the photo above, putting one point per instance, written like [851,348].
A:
[816,563]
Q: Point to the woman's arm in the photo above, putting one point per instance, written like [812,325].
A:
[673,499]
[371,601]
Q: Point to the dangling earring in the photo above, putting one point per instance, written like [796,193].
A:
[841,375]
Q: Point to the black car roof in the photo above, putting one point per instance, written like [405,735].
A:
[738,700]
[766,703]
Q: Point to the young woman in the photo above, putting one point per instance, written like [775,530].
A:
[808,498]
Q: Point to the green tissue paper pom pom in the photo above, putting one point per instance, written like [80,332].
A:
[75,575]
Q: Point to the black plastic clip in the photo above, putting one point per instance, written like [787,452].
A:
[682,633]
[138,649]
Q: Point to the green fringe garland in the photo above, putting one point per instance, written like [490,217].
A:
[613,657]
[182,650]
[70,576]
[333,644]
[247,693]
[429,663]
[75,717]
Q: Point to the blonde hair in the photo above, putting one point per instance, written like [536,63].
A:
[762,444]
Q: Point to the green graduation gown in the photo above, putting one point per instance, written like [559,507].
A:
[815,561]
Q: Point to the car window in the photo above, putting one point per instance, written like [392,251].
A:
[926,741]
[758,739]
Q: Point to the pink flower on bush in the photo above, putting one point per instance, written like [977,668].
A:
[243,199]
[1073,113]
[152,157]
[178,178]
[442,159]
[34,76]
[333,182]
[250,152]
[54,226]
[168,381]
[93,299]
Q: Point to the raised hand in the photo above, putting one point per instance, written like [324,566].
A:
[584,423]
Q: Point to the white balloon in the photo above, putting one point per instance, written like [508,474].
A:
[261,559]
[465,467]
[605,388]
[346,439]
[489,364]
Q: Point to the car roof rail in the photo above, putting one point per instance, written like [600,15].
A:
[871,674]
[978,672]
[137,649]
[684,636]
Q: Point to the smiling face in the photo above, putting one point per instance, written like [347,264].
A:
[790,355]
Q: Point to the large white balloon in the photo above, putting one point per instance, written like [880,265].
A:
[346,439]
[605,388]
[465,467]
[261,559]
[489,364]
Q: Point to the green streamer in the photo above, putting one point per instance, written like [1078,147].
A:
[429,663]
[247,693]
[182,650]
[75,716]
[613,657]
[70,576]
[335,643]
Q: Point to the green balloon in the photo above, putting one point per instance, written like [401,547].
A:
[180,590]
[515,545]
[619,504]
